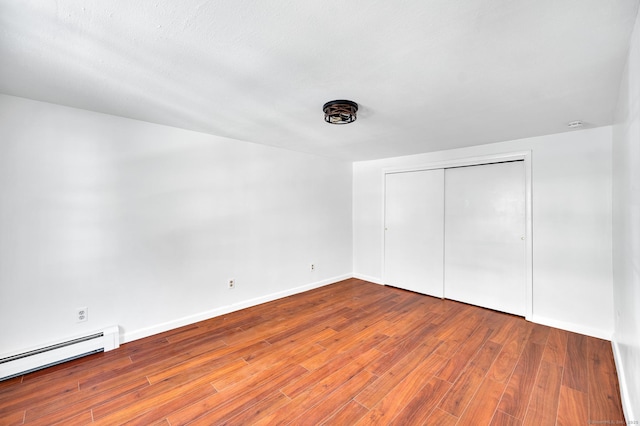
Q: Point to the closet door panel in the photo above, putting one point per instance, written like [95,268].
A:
[484,236]
[414,215]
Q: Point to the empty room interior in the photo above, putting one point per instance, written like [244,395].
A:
[364,212]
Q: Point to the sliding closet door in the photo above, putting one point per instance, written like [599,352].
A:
[414,213]
[484,236]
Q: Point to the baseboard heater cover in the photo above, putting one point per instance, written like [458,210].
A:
[37,359]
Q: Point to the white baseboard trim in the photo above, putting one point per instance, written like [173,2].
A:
[573,327]
[627,406]
[180,322]
[374,280]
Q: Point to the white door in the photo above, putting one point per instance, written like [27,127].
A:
[414,214]
[484,236]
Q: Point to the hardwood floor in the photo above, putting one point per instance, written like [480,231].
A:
[349,353]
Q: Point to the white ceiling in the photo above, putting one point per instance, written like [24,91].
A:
[428,74]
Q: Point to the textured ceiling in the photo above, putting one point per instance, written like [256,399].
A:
[428,74]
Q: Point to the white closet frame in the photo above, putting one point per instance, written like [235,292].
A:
[474,161]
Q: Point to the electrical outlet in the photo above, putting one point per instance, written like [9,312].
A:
[231,284]
[313,267]
[82,314]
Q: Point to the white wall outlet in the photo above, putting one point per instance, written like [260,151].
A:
[231,284]
[312,267]
[82,314]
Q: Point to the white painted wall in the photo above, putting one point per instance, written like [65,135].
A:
[572,272]
[144,224]
[626,231]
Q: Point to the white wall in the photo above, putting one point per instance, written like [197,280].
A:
[571,191]
[144,224]
[626,231]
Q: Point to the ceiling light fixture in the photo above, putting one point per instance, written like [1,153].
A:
[340,112]
[575,124]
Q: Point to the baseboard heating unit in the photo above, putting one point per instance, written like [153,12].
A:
[36,359]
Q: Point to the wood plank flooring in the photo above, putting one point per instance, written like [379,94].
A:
[351,353]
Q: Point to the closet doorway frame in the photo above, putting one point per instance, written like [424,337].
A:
[524,156]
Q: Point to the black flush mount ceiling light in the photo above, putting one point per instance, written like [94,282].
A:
[340,112]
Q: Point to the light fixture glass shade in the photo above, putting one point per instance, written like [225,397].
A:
[340,112]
